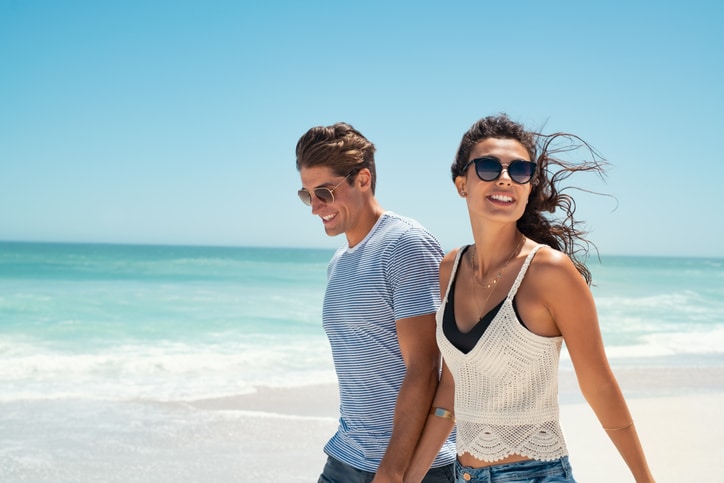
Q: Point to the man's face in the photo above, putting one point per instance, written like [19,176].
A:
[338,215]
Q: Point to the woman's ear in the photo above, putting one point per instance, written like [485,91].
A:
[460,185]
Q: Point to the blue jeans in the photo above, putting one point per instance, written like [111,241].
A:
[337,472]
[531,471]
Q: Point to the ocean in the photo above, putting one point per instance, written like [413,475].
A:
[103,346]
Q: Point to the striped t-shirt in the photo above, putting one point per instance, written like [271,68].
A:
[392,274]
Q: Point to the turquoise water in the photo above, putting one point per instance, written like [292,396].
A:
[661,310]
[119,322]
[165,323]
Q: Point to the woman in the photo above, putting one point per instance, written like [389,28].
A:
[508,303]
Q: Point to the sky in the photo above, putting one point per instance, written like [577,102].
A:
[175,122]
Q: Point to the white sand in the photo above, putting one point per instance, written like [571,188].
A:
[681,437]
[677,414]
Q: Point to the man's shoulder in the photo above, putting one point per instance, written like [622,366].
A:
[400,236]
[395,218]
[404,226]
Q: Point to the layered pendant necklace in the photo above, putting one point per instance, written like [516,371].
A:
[490,286]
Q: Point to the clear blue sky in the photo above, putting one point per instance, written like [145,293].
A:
[176,121]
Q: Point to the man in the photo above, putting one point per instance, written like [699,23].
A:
[382,293]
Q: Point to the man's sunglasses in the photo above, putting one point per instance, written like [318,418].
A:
[489,168]
[325,195]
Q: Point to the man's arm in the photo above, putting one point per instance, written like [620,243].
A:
[419,349]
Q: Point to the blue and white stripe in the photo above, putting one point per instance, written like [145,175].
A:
[391,275]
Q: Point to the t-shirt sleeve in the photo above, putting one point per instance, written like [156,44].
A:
[413,273]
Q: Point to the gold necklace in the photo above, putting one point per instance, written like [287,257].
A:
[494,281]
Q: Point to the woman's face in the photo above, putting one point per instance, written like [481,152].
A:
[501,199]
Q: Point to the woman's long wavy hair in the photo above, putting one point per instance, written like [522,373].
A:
[564,233]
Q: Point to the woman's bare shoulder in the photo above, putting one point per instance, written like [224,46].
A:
[451,255]
[448,261]
[550,265]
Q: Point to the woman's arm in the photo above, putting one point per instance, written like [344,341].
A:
[574,315]
[436,430]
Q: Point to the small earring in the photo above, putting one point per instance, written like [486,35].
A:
[463,194]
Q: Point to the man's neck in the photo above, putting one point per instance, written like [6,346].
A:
[366,222]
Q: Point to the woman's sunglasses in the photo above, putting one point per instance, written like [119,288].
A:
[325,195]
[489,168]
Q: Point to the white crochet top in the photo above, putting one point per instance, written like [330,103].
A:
[506,387]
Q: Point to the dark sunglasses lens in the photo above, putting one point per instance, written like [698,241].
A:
[305,197]
[521,171]
[488,169]
[324,195]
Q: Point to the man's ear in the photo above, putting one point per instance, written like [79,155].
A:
[364,178]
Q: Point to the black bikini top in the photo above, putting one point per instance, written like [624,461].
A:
[465,341]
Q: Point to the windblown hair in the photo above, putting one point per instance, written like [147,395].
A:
[339,147]
[546,196]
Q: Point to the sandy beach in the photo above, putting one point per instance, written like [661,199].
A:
[677,414]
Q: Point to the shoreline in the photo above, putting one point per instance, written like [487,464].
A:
[322,400]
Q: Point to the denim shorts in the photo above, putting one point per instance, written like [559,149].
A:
[337,472]
[530,471]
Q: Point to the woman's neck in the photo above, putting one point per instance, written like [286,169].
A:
[493,247]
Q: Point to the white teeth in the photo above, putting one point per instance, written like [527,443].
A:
[328,217]
[504,198]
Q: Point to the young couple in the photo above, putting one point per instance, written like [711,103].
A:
[497,311]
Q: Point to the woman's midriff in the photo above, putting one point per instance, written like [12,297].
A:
[466,459]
